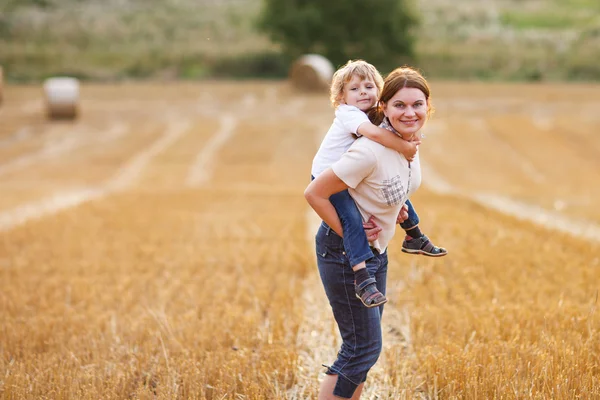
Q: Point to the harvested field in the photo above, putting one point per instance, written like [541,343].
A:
[159,246]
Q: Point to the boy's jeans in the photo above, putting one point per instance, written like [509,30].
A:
[356,245]
[413,218]
[355,240]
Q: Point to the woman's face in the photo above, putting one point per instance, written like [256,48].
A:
[407,111]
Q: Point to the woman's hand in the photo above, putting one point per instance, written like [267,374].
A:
[403,214]
[371,229]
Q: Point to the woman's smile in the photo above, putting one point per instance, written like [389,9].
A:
[410,122]
[407,111]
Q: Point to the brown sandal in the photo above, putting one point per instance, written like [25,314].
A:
[423,246]
[368,293]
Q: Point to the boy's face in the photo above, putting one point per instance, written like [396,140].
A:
[361,93]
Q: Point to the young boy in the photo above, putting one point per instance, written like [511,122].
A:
[355,89]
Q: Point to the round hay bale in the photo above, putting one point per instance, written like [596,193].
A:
[62,97]
[311,72]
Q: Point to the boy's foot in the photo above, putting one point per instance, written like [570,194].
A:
[368,293]
[423,246]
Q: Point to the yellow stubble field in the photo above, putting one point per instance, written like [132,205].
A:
[160,247]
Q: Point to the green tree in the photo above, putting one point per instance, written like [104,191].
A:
[379,31]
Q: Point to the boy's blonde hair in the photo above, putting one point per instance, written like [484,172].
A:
[344,74]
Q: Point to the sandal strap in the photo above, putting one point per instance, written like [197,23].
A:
[373,298]
[430,247]
[427,245]
[365,283]
[370,296]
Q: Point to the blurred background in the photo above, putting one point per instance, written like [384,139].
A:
[526,40]
[155,242]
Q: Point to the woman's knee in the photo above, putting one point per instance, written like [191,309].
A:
[365,355]
[373,352]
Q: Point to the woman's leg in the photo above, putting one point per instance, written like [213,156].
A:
[360,327]
[328,385]
[381,275]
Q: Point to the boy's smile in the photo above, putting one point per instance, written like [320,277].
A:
[361,93]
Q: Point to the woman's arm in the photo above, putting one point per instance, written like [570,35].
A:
[389,139]
[317,194]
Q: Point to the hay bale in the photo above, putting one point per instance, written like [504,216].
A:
[311,72]
[62,97]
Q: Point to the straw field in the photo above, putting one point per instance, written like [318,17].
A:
[159,247]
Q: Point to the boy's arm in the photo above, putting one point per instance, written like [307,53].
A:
[389,139]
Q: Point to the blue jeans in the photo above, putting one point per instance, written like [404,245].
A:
[359,326]
[413,218]
[356,244]
[355,240]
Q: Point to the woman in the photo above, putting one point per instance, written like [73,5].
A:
[380,180]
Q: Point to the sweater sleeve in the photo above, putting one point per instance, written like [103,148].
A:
[355,165]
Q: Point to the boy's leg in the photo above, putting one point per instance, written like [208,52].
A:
[356,245]
[412,222]
[355,240]
[415,241]
[357,248]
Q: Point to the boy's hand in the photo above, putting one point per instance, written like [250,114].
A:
[411,149]
[371,229]
[403,214]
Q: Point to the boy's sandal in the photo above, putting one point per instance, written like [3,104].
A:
[368,293]
[423,246]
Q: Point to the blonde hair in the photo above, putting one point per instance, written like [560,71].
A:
[403,77]
[344,74]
